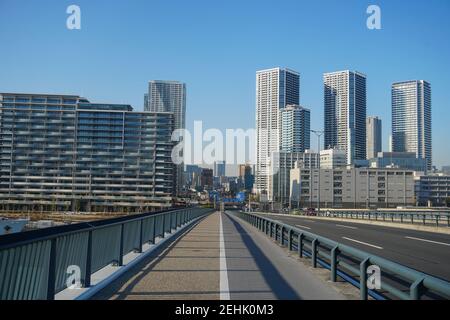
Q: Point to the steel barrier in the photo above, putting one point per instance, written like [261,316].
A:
[33,264]
[438,219]
[350,264]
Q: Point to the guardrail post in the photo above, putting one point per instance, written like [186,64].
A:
[423,217]
[88,267]
[437,220]
[401,218]
[363,279]
[120,262]
[51,271]
[290,239]
[314,252]
[170,222]
[282,236]
[163,225]
[334,263]
[412,218]
[415,290]
[300,245]
[139,250]
[154,230]
[448,220]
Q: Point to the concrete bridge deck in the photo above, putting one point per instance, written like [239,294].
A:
[220,257]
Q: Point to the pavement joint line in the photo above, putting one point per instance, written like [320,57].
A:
[344,226]
[426,240]
[361,242]
[224,284]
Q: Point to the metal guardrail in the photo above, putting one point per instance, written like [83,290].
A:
[33,264]
[438,219]
[350,264]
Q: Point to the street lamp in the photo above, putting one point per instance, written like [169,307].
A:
[318,133]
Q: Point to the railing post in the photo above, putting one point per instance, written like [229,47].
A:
[88,268]
[363,279]
[416,289]
[437,220]
[314,253]
[282,235]
[423,217]
[170,222]
[448,220]
[139,250]
[334,263]
[120,263]
[300,245]
[154,230]
[52,271]
[163,225]
[290,239]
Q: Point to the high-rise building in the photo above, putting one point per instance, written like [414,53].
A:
[295,128]
[373,137]
[169,96]
[61,152]
[411,119]
[275,89]
[345,113]
[219,168]
[206,178]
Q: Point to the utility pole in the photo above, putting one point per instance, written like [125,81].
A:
[318,133]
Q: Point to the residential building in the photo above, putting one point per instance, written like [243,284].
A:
[169,96]
[345,113]
[219,168]
[62,153]
[411,119]
[275,89]
[295,128]
[206,179]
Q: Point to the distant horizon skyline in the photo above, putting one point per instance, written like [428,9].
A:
[216,50]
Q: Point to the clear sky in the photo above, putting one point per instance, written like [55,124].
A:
[217,46]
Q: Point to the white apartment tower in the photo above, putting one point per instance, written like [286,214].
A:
[373,137]
[411,119]
[295,128]
[345,113]
[275,89]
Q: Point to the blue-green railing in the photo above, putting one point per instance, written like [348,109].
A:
[33,265]
[350,264]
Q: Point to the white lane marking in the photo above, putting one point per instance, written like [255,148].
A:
[224,288]
[341,225]
[431,241]
[304,227]
[365,243]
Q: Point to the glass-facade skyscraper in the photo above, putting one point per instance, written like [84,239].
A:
[295,128]
[61,152]
[411,119]
[345,113]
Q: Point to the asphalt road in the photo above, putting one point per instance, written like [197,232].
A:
[424,251]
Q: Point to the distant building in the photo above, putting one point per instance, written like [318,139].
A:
[191,175]
[433,190]
[400,160]
[246,176]
[352,188]
[207,179]
[373,137]
[295,128]
[280,167]
[219,168]
[345,113]
[63,153]
[446,169]
[411,119]
[332,158]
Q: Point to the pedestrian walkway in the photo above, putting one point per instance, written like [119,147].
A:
[221,257]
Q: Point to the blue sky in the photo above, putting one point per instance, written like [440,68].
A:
[216,47]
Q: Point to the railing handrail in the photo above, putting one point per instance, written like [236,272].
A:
[22,238]
[429,282]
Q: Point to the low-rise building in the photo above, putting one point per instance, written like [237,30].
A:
[432,190]
[332,158]
[351,188]
[400,160]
